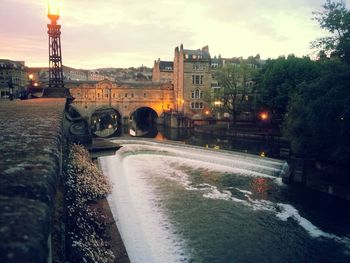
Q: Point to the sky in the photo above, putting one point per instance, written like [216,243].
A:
[125,33]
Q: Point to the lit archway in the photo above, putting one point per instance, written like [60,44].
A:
[106,122]
[143,122]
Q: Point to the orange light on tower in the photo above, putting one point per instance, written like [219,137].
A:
[54,8]
[55,87]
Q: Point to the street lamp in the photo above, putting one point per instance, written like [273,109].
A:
[217,103]
[263,116]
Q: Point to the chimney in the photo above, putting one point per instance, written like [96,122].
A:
[205,48]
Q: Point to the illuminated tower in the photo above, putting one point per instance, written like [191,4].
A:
[56,87]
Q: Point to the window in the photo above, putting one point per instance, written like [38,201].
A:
[132,95]
[126,95]
[197,79]
[196,105]
[197,93]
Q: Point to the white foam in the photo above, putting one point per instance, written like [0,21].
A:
[289,211]
[146,232]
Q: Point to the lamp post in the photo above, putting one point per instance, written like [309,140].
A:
[56,87]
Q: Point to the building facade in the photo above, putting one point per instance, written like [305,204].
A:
[13,78]
[192,81]
[163,71]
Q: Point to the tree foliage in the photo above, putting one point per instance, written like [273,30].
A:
[318,120]
[234,87]
[335,18]
[279,80]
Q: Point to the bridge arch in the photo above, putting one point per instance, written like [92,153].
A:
[143,121]
[106,122]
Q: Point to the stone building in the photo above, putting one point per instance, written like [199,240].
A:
[192,81]
[124,97]
[163,71]
[74,74]
[12,73]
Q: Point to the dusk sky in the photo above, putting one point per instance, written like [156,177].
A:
[120,33]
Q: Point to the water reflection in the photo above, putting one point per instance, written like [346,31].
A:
[260,188]
[270,147]
[105,123]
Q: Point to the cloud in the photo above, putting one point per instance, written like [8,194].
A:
[95,32]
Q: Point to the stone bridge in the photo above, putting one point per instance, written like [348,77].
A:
[125,98]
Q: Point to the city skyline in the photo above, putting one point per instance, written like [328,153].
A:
[118,33]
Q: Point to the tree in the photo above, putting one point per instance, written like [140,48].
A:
[234,87]
[318,118]
[279,79]
[335,18]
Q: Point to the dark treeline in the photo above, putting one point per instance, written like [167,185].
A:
[313,96]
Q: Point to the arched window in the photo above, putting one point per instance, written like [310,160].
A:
[197,94]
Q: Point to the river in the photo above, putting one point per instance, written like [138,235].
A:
[179,203]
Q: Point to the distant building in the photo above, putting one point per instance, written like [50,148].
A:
[95,75]
[192,80]
[39,75]
[12,74]
[252,62]
[74,74]
[163,71]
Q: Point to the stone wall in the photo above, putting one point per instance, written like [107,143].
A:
[31,154]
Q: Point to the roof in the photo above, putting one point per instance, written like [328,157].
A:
[10,64]
[196,54]
[166,65]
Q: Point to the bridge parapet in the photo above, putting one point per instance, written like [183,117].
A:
[31,164]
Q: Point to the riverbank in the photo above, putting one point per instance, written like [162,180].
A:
[112,235]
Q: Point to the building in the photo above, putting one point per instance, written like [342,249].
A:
[74,74]
[95,75]
[163,71]
[13,78]
[192,81]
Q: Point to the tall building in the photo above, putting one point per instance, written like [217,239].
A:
[13,77]
[192,81]
[163,71]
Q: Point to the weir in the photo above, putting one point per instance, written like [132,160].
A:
[179,203]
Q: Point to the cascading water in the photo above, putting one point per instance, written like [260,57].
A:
[177,203]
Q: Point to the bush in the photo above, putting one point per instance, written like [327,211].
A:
[85,184]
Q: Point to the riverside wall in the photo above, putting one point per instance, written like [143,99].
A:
[32,148]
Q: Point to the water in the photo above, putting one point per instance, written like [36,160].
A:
[179,203]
